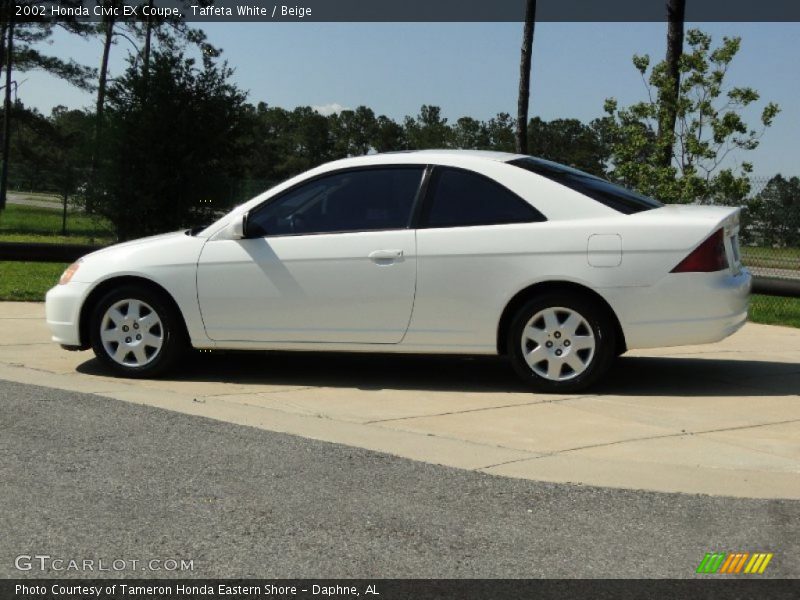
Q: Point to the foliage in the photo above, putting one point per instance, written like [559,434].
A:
[171,136]
[709,127]
[29,36]
[570,142]
[773,216]
[50,153]
[353,131]
[428,129]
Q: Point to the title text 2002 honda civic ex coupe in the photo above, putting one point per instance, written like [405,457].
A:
[453,252]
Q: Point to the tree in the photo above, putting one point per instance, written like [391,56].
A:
[19,52]
[676,10]
[109,29]
[523,97]
[428,130]
[501,132]
[353,131]
[709,127]
[150,185]
[570,142]
[470,134]
[774,214]
[50,153]
[389,136]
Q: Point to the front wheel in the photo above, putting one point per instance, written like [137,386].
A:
[561,343]
[136,333]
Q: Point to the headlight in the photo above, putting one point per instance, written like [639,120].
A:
[71,270]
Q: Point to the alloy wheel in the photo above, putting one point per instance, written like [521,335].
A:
[558,343]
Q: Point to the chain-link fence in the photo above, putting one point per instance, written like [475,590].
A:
[770,243]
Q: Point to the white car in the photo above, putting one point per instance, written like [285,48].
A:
[454,252]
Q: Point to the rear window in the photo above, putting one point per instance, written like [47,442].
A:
[609,194]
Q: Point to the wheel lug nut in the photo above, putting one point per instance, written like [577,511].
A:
[124,328]
[557,334]
[558,352]
[549,344]
[127,340]
[138,336]
[136,326]
[566,343]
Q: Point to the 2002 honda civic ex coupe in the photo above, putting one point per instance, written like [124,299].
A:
[453,252]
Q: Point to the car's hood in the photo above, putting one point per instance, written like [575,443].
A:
[138,242]
[154,257]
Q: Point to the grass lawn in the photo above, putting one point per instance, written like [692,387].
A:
[774,310]
[20,223]
[28,281]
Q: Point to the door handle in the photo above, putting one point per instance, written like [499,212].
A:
[385,255]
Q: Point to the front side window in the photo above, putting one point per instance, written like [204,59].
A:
[460,198]
[360,200]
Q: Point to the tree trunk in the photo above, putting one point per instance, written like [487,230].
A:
[64,215]
[147,40]
[101,99]
[676,10]
[525,77]
[7,110]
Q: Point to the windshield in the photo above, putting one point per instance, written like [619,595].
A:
[610,194]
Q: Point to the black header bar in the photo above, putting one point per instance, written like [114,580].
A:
[376,11]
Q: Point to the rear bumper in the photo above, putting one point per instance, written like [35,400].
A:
[684,309]
[62,309]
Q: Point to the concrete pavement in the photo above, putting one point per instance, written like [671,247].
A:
[84,477]
[721,419]
[30,200]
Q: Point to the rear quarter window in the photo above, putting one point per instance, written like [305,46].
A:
[609,194]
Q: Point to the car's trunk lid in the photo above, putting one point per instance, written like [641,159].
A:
[712,218]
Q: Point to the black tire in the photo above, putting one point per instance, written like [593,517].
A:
[596,327]
[170,329]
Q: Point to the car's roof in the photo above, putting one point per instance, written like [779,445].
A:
[453,153]
[445,156]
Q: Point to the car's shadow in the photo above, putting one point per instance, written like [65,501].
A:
[631,376]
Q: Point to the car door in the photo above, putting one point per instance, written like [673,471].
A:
[331,260]
[472,247]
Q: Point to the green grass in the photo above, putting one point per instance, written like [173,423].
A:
[27,281]
[20,223]
[774,310]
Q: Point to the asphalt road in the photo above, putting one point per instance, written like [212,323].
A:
[83,477]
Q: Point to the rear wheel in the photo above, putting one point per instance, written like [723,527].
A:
[561,342]
[136,333]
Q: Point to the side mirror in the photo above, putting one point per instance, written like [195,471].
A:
[235,230]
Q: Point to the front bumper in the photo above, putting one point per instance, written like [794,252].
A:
[62,309]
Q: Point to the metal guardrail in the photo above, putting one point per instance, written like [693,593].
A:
[774,286]
[29,252]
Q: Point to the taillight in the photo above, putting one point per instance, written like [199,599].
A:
[707,257]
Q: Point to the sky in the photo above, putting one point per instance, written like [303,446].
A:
[467,69]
